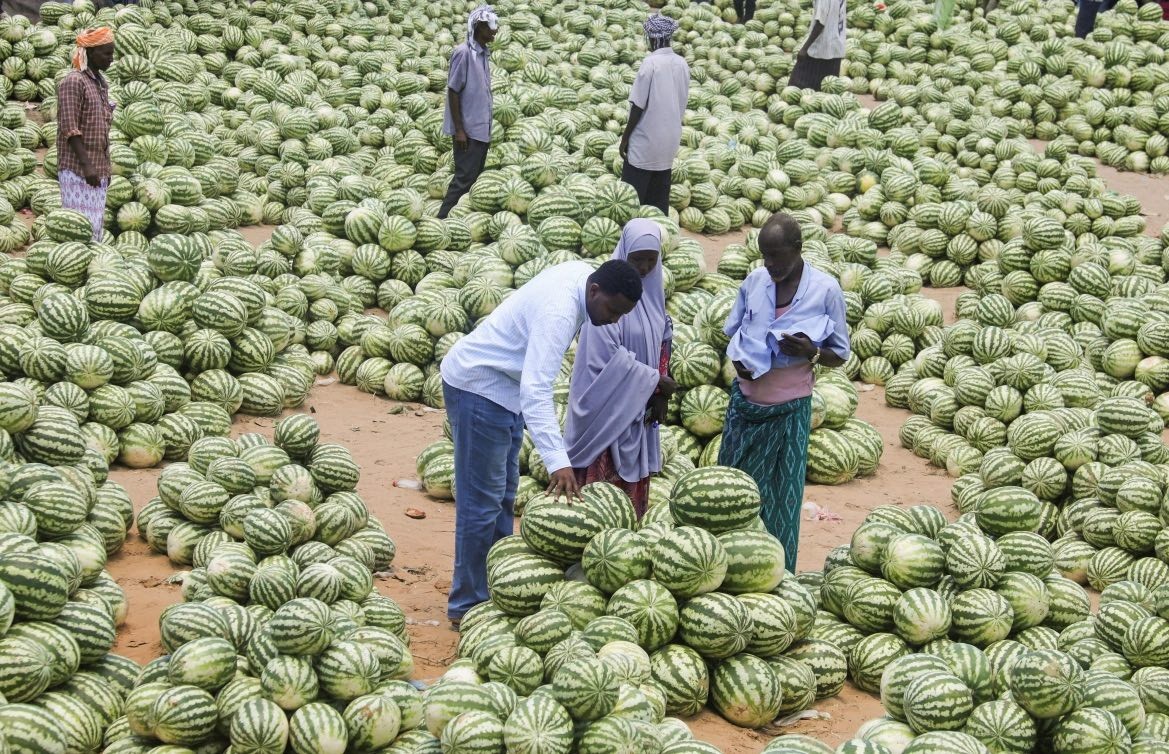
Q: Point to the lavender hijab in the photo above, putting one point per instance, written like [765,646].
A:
[616,373]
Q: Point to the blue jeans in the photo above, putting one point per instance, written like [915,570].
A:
[487,439]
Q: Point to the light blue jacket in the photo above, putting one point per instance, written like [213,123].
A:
[817,310]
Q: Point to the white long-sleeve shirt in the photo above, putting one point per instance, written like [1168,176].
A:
[513,357]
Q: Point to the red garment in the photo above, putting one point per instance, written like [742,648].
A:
[603,470]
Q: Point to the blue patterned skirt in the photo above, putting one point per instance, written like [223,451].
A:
[771,444]
[90,201]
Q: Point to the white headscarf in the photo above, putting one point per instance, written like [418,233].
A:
[482,14]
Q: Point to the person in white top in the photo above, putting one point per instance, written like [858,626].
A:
[497,379]
[823,49]
[657,103]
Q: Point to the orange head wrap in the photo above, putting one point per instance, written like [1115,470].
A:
[103,35]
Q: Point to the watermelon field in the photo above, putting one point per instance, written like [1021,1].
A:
[225,489]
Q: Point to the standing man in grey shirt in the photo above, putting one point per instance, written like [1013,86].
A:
[657,103]
[468,110]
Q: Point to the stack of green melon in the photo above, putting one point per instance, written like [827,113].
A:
[281,638]
[59,608]
[685,608]
[1101,95]
[304,673]
[142,328]
[277,499]
[1040,391]
[911,582]
[1016,699]
[596,704]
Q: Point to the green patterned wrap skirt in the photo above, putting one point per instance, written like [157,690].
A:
[771,444]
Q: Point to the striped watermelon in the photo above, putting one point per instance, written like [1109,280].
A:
[683,675]
[913,560]
[921,615]
[31,730]
[614,558]
[1046,683]
[937,701]
[719,499]
[586,688]
[559,531]
[1002,726]
[317,728]
[746,691]
[650,608]
[258,725]
[755,562]
[715,625]
[774,624]
[519,582]
[869,658]
[981,617]
[828,663]
[183,715]
[471,732]
[1007,509]
[1091,729]
[689,561]
[897,675]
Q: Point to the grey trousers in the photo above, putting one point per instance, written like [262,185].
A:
[469,164]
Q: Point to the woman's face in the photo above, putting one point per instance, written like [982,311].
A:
[643,261]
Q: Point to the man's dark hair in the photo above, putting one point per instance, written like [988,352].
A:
[781,232]
[617,276]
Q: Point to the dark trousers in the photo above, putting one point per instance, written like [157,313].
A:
[745,10]
[652,186]
[1086,15]
[469,164]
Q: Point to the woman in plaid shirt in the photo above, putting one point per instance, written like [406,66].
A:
[84,112]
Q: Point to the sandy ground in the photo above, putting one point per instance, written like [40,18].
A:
[386,437]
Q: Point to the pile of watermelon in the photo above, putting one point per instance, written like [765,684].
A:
[1102,96]
[1074,693]
[281,638]
[622,622]
[59,608]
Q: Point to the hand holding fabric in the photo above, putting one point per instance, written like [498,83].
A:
[797,344]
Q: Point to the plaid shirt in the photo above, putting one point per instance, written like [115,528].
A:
[84,109]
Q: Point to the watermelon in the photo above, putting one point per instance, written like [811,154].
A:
[719,499]
[746,691]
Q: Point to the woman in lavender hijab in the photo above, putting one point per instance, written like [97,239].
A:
[619,382]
